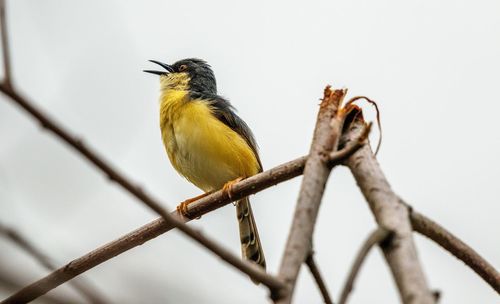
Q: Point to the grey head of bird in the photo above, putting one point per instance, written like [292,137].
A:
[191,74]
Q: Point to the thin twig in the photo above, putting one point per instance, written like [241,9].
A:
[455,246]
[326,136]
[400,253]
[311,263]
[5,46]
[87,291]
[10,284]
[196,209]
[252,270]
[376,237]
[353,100]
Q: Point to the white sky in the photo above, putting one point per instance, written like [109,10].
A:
[433,67]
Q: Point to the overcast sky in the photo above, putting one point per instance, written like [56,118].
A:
[432,66]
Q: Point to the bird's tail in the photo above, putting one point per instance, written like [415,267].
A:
[251,248]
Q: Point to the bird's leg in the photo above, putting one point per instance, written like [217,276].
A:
[183,207]
[228,187]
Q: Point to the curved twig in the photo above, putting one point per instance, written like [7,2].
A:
[311,263]
[376,237]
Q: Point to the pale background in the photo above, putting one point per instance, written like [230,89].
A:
[433,67]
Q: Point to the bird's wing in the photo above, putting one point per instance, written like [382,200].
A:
[224,111]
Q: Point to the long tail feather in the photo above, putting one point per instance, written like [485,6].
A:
[251,248]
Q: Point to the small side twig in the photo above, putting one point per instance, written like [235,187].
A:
[376,237]
[455,246]
[87,291]
[311,263]
[5,46]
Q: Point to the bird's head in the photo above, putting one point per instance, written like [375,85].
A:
[191,74]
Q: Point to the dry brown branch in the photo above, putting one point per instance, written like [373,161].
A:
[400,253]
[5,46]
[376,237]
[202,206]
[311,263]
[455,246]
[326,136]
[87,291]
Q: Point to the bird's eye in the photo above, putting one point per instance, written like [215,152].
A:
[182,68]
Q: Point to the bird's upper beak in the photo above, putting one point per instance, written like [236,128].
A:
[168,68]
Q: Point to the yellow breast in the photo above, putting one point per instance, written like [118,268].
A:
[200,147]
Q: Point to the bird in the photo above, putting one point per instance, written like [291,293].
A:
[207,142]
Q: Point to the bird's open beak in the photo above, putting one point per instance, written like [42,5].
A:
[167,67]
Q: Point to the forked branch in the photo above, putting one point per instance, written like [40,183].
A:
[313,268]
[400,253]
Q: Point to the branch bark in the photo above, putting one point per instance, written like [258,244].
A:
[455,246]
[311,263]
[326,136]
[390,214]
[375,237]
[87,291]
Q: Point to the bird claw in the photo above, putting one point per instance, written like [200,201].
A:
[228,187]
[182,209]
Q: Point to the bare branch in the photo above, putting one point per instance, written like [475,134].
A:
[326,136]
[5,46]
[87,291]
[376,237]
[196,209]
[455,246]
[311,263]
[400,253]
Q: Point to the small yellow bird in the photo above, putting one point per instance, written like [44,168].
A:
[206,141]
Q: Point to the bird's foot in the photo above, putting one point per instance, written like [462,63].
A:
[182,209]
[228,187]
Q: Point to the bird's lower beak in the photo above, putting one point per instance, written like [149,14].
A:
[167,67]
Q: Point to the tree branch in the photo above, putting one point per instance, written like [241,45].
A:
[400,253]
[88,292]
[326,136]
[5,46]
[455,246]
[196,209]
[376,237]
[311,263]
